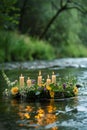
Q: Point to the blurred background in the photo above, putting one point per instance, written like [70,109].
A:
[42,29]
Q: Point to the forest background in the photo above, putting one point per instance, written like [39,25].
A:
[42,29]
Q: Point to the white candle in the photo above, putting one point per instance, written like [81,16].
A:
[21,80]
[39,81]
[48,81]
[53,78]
[29,82]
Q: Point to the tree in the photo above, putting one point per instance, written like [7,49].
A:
[64,5]
[9,14]
[33,16]
[22,13]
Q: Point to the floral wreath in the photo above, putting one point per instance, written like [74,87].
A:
[37,91]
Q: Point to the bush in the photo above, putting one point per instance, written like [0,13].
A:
[16,47]
[72,50]
[5,46]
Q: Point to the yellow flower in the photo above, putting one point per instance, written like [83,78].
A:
[14,90]
[44,84]
[75,90]
[27,115]
[48,88]
[52,94]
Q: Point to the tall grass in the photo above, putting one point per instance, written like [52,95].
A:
[72,50]
[16,47]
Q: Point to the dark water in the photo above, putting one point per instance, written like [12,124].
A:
[68,114]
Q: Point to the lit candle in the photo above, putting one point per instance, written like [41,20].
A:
[39,81]
[48,81]
[29,82]
[53,78]
[21,80]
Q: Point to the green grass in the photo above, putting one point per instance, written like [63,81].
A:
[16,47]
[72,50]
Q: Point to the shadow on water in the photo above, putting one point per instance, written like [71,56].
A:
[70,114]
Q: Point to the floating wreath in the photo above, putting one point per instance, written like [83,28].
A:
[41,90]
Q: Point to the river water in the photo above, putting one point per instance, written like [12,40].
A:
[70,114]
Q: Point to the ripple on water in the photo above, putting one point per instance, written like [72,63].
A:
[63,62]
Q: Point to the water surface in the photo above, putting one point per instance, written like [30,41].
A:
[70,114]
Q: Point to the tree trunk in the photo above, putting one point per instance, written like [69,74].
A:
[22,11]
[51,22]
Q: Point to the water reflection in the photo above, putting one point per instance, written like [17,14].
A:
[46,116]
[43,115]
[35,116]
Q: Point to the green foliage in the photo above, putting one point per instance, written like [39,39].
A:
[67,37]
[16,47]
[30,48]
[41,49]
[72,50]
[35,17]
[9,14]
[5,45]
[67,34]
